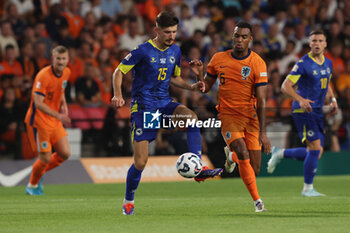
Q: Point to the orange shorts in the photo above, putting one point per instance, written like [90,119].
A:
[234,126]
[41,139]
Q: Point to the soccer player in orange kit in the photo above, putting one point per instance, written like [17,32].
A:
[242,101]
[44,118]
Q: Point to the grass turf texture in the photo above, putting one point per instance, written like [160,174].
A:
[213,206]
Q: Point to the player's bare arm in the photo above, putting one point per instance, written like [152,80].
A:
[197,68]
[117,100]
[40,104]
[333,104]
[261,96]
[179,82]
[287,89]
[64,107]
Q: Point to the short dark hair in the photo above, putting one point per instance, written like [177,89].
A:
[317,32]
[243,24]
[166,19]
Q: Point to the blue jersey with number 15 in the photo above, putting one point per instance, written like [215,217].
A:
[152,71]
[312,79]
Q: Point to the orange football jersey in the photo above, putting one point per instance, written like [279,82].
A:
[238,79]
[52,87]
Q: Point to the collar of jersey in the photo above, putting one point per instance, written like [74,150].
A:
[154,45]
[53,71]
[312,58]
[241,58]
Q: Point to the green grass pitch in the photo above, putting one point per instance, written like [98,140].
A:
[213,206]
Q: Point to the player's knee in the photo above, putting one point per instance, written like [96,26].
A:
[241,150]
[140,163]
[45,157]
[64,155]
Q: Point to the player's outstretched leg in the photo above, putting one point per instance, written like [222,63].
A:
[276,157]
[207,173]
[194,142]
[230,165]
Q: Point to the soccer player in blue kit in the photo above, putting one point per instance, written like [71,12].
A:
[155,65]
[312,75]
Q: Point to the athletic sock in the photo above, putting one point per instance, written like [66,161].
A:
[295,153]
[248,176]
[308,187]
[194,140]
[38,171]
[233,157]
[310,166]
[55,161]
[132,181]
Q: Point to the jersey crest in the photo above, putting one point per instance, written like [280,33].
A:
[245,71]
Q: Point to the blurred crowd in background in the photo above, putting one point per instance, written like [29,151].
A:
[100,33]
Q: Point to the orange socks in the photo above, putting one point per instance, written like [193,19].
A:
[38,171]
[54,162]
[39,168]
[234,157]
[248,176]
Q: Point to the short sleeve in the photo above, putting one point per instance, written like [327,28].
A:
[296,72]
[41,83]
[130,60]
[260,72]
[177,70]
[211,71]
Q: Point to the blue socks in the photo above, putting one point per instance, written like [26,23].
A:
[132,181]
[295,153]
[310,166]
[194,140]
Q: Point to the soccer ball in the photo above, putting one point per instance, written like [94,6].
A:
[189,165]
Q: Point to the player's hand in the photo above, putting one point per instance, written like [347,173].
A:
[117,102]
[198,86]
[64,118]
[305,105]
[64,109]
[334,108]
[265,142]
[197,67]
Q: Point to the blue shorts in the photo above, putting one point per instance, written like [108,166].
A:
[145,124]
[310,126]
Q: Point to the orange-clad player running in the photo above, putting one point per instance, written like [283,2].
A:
[47,111]
[242,93]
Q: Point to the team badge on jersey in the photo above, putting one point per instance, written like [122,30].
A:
[64,84]
[38,85]
[44,144]
[245,72]
[138,131]
[310,133]
[228,135]
[172,59]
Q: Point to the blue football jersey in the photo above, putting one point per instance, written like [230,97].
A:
[312,79]
[152,70]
